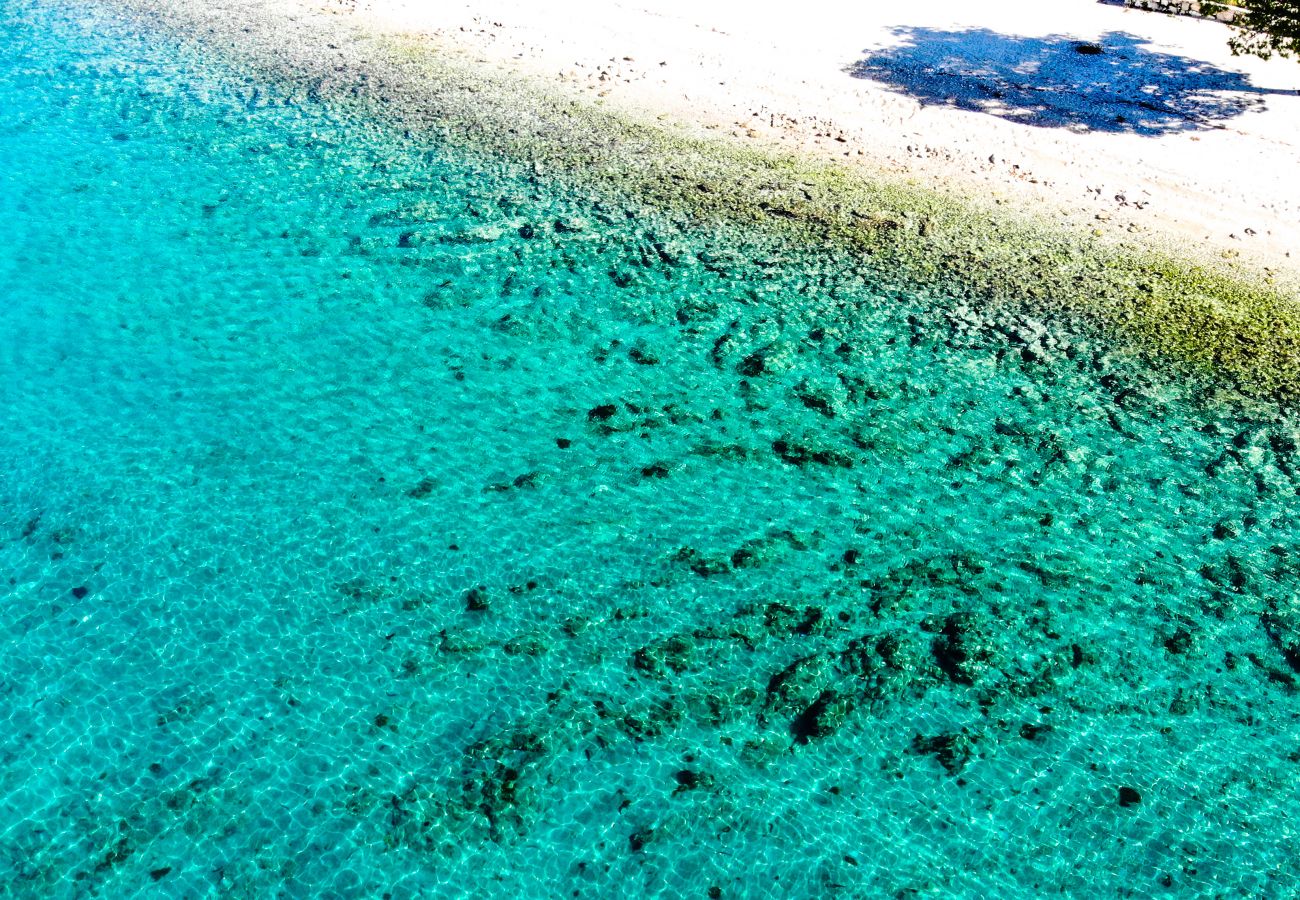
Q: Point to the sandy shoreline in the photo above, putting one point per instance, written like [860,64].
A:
[1053,223]
[1204,162]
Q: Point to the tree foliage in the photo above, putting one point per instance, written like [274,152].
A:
[1267,27]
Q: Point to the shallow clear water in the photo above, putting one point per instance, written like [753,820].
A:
[376,519]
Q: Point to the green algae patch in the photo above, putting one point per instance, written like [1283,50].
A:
[1233,325]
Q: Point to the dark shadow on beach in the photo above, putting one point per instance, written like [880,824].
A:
[1114,84]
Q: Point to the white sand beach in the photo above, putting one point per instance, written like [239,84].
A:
[1162,136]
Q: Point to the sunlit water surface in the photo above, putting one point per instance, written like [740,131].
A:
[376,519]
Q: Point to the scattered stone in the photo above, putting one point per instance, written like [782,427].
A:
[1031,732]
[1179,642]
[689,780]
[652,721]
[602,413]
[80,591]
[672,654]
[779,618]
[816,399]
[797,455]
[822,719]
[753,365]
[1129,796]
[887,665]
[159,873]
[798,685]
[1225,530]
[476,599]
[639,838]
[576,626]
[422,490]
[1281,630]
[952,750]
[699,563]
[526,645]
[964,648]
[521,482]
[656,470]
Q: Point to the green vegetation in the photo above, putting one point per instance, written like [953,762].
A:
[1267,27]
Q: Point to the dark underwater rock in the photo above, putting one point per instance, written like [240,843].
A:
[495,782]
[753,365]
[656,470]
[642,357]
[887,665]
[700,564]
[423,489]
[818,399]
[1281,627]
[526,645]
[1032,732]
[476,599]
[798,685]
[689,780]
[822,718]
[964,648]
[799,455]
[756,551]
[651,721]
[952,749]
[778,618]
[1180,642]
[638,839]
[520,482]
[672,654]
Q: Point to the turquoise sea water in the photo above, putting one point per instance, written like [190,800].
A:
[377,520]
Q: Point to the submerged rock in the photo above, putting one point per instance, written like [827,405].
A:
[778,618]
[799,455]
[952,750]
[822,718]
[476,599]
[671,655]
[689,780]
[964,648]
[798,685]
[422,489]
[700,564]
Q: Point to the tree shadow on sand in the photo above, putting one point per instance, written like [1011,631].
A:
[1114,84]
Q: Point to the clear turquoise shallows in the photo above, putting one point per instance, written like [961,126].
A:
[380,521]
